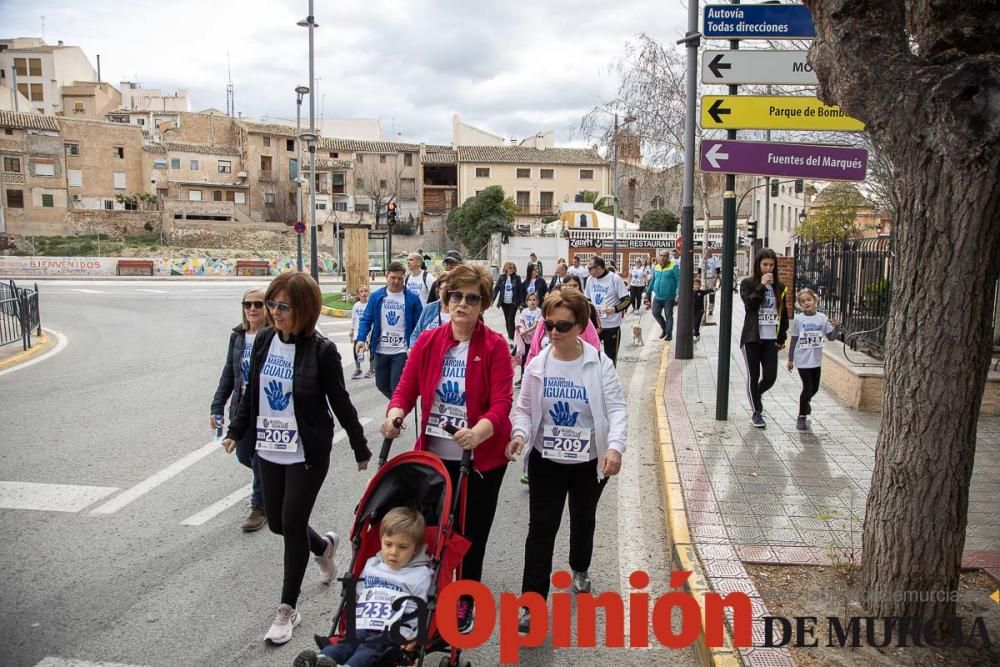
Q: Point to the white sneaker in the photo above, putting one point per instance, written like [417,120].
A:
[327,568]
[284,622]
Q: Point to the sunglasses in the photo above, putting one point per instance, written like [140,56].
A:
[562,326]
[247,305]
[456,298]
[277,305]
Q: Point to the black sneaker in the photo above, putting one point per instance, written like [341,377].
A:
[801,423]
[581,582]
[757,420]
[524,622]
[668,337]
[466,616]
[305,659]
[663,335]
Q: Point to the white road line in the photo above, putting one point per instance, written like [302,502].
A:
[150,483]
[154,291]
[63,342]
[50,497]
[69,662]
[236,496]
[87,291]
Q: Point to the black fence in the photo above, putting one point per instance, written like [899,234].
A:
[853,279]
[20,318]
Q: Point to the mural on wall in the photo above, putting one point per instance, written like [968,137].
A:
[188,265]
[195,265]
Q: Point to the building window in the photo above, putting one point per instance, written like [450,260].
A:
[36,93]
[291,199]
[175,163]
[119,152]
[74,178]
[25,90]
[362,208]
[131,205]
[289,144]
[194,195]
[159,164]
[360,158]
[8,131]
[546,200]
[293,169]
[523,200]
[225,167]
[383,184]
[194,165]
[140,121]
[34,66]
[119,180]
[333,155]
[407,159]
[12,164]
[15,199]
[321,206]
[269,198]
[381,159]
[21,66]
[267,142]
[547,174]
[482,172]
[524,172]
[338,180]
[72,149]
[340,206]
[359,184]
[45,168]
[265,163]
[240,198]
[78,107]
[48,201]
[216,195]
[586,174]
[230,195]
[109,204]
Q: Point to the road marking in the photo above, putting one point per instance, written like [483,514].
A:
[632,551]
[150,483]
[69,662]
[63,342]
[154,291]
[50,497]
[86,291]
[236,496]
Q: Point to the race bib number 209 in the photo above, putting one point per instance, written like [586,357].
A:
[565,443]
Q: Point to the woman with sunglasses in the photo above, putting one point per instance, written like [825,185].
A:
[296,377]
[462,374]
[571,413]
[232,385]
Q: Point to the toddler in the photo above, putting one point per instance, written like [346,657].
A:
[357,310]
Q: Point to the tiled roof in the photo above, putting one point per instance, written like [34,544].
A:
[28,121]
[154,148]
[526,155]
[267,128]
[359,146]
[331,164]
[439,156]
[206,149]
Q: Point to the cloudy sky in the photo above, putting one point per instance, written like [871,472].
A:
[510,67]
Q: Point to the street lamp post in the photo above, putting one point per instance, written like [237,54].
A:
[300,92]
[310,22]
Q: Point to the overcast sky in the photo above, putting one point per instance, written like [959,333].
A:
[510,67]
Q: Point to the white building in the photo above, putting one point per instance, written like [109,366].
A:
[783,215]
[137,98]
[42,70]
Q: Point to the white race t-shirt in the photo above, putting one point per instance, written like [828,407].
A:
[248,339]
[357,310]
[527,319]
[449,402]
[768,316]
[508,290]
[392,338]
[530,289]
[276,413]
[708,272]
[580,272]
[565,404]
[606,292]
[418,286]
[811,331]
[638,277]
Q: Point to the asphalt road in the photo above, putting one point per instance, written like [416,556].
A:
[120,517]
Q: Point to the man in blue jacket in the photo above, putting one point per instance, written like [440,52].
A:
[663,287]
[390,317]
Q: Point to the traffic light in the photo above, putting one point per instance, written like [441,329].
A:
[391,210]
[799,186]
[774,188]
[751,231]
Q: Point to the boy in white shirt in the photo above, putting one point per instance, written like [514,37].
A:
[357,310]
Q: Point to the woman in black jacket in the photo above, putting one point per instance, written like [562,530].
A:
[764,328]
[296,377]
[533,284]
[507,295]
[232,384]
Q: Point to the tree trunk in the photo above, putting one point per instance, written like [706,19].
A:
[924,79]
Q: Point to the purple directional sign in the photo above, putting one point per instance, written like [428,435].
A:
[759,158]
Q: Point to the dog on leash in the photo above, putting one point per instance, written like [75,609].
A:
[637,332]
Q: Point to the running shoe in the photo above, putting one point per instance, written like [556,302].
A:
[284,622]
[356,374]
[757,420]
[370,373]
[524,478]
[801,423]
[327,568]
[524,622]
[466,615]
[581,581]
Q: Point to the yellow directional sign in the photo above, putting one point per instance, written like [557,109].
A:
[996,596]
[773,112]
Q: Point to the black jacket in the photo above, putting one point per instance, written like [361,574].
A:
[541,287]
[753,296]
[317,386]
[231,380]
[515,281]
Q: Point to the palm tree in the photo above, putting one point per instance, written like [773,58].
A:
[602,204]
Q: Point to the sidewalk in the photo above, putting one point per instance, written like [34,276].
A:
[755,495]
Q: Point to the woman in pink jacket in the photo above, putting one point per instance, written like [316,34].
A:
[541,339]
[462,373]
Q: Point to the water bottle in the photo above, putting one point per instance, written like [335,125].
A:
[218,429]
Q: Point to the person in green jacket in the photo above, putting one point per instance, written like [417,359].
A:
[663,288]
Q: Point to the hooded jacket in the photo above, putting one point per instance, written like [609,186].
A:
[665,281]
[231,380]
[380,582]
[753,296]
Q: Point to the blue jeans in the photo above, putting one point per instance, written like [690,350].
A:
[663,313]
[362,653]
[388,370]
[246,455]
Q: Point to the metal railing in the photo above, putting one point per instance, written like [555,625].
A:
[20,317]
[853,279]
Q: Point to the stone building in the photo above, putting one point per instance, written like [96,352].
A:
[90,99]
[103,160]
[33,177]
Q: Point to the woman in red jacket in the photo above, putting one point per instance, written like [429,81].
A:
[462,373]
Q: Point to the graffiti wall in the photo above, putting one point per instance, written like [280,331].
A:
[188,265]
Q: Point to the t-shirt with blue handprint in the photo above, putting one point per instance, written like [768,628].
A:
[449,404]
[248,339]
[565,403]
[392,337]
[277,432]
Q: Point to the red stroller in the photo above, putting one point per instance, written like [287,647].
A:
[418,480]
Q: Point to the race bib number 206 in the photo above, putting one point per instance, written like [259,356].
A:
[277,434]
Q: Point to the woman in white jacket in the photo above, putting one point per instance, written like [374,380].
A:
[571,412]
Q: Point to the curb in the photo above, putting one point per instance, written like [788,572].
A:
[334,312]
[683,555]
[43,343]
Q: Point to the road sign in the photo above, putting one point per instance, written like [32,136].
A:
[762,67]
[300,227]
[773,112]
[758,22]
[829,163]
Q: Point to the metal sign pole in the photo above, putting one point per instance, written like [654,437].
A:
[684,349]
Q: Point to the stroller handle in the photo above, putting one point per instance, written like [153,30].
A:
[383,454]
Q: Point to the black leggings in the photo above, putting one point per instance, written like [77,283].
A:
[810,385]
[480,508]
[509,313]
[611,337]
[289,494]
[636,294]
[762,370]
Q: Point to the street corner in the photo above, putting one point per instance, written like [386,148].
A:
[14,355]
[334,312]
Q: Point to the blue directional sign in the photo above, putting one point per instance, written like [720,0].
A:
[758,22]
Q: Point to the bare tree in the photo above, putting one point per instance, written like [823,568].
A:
[380,181]
[925,79]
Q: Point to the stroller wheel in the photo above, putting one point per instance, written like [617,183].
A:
[444,662]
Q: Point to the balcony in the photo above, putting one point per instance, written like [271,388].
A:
[536,209]
[265,175]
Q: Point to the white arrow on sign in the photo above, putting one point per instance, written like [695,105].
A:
[761,67]
[713,155]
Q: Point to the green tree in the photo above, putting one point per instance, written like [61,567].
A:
[479,217]
[834,214]
[602,204]
[658,220]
